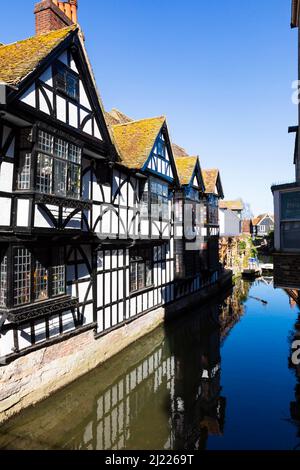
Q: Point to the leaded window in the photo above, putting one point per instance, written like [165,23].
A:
[24,171]
[67,81]
[35,278]
[22,276]
[58,167]
[24,168]
[3,281]
[58,280]
[159,196]
[141,274]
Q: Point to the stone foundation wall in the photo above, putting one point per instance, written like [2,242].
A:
[36,376]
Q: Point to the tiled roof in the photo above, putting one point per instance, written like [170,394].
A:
[210,178]
[110,120]
[185,168]
[258,219]
[135,140]
[237,205]
[120,117]
[179,151]
[19,59]
[115,117]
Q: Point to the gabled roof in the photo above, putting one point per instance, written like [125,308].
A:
[260,218]
[115,117]
[19,59]
[120,117]
[237,205]
[179,151]
[135,140]
[295,13]
[185,168]
[212,180]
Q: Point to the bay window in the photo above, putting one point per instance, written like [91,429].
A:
[37,275]
[155,197]
[58,167]
[140,268]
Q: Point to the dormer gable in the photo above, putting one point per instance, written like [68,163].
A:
[55,81]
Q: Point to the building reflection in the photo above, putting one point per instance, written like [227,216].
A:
[294,300]
[170,398]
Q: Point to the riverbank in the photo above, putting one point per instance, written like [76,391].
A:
[32,378]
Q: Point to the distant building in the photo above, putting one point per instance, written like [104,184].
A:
[263,225]
[230,216]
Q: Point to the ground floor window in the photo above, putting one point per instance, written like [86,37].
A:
[37,276]
[3,279]
[141,273]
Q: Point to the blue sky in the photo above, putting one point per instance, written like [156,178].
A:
[221,71]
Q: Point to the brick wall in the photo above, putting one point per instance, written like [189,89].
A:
[287,270]
[48,17]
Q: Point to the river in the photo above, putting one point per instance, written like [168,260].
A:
[217,378]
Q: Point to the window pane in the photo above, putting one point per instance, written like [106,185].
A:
[24,171]
[148,273]
[3,282]
[40,280]
[144,200]
[133,277]
[45,142]
[61,148]
[22,276]
[74,181]
[59,280]
[60,177]
[44,174]
[74,153]
[61,77]
[141,275]
[72,85]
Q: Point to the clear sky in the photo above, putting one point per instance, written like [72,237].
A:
[221,71]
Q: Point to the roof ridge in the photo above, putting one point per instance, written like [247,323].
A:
[71,28]
[140,120]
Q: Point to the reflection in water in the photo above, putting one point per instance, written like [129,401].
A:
[294,298]
[164,392]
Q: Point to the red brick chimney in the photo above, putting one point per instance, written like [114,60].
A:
[51,15]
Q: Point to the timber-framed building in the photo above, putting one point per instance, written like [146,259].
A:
[92,204]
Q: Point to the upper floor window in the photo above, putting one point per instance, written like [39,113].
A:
[25,158]
[212,210]
[67,81]
[58,166]
[155,199]
[160,149]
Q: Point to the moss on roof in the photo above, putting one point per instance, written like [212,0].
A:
[237,205]
[135,140]
[19,59]
[185,168]
[210,178]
